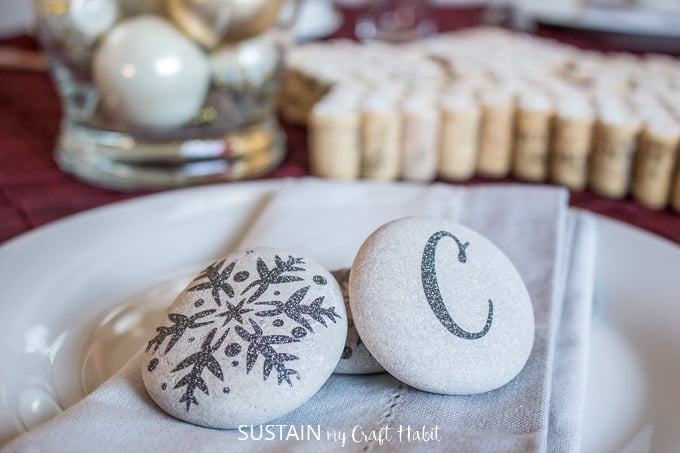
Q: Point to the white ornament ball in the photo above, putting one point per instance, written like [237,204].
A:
[149,75]
[247,64]
[92,18]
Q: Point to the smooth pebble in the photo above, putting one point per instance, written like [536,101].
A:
[355,357]
[440,307]
[252,338]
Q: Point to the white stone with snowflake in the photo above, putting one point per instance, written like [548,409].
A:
[355,357]
[252,338]
[440,307]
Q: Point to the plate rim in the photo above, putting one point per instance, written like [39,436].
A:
[263,186]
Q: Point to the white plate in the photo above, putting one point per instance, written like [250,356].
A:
[638,21]
[81,295]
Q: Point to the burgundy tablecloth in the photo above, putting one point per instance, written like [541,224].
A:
[33,191]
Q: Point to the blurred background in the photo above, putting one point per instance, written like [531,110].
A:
[660,17]
[31,115]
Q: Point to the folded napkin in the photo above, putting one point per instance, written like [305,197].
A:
[328,221]
[569,371]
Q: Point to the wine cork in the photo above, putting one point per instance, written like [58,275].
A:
[381,139]
[571,143]
[613,149]
[420,139]
[655,162]
[299,92]
[335,138]
[294,105]
[461,118]
[495,144]
[532,137]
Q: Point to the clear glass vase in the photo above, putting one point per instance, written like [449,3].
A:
[166,93]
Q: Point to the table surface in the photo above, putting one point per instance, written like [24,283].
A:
[33,191]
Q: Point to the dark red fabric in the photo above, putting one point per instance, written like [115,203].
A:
[33,191]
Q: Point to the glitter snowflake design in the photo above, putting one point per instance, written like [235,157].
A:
[295,310]
[232,328]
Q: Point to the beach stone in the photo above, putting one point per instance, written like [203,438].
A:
[355,357]
[252,338]
[440,307]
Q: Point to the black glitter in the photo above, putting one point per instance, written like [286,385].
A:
[226,390]
[233,349]
[274,276]
[299,332]
[261,345]
[199,361]
[217,280]
[433,293]
[152,365]
[234,312]
[180,324]
[296,310]
[164,386]
[346,353]
[242,276]
[255,346]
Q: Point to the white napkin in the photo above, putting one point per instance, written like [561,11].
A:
[328,222]
[567,397]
